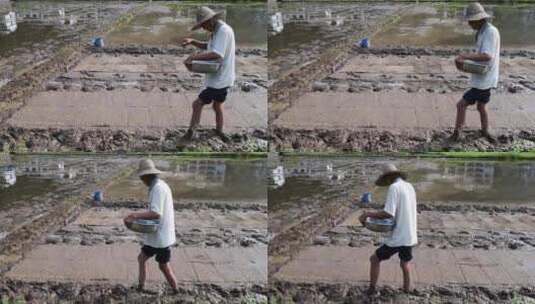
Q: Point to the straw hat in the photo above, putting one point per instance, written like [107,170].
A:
[146,166]
[388,171]
[475,11]
[204,14]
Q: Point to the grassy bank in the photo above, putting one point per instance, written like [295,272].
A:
[228,155]
[511,155]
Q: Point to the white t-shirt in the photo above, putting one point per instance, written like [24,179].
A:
[222,42]
[161,202]
[401,204]
[488,42]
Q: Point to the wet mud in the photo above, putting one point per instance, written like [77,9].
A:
[287,292]
[16,139]
[51,292]
[375,140]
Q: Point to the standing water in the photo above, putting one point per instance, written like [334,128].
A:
[167,24]
[435,180]
[443,24]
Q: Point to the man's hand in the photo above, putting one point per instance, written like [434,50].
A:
[129,219]
[188,62]
[187,41]
[363,217]
[459,62]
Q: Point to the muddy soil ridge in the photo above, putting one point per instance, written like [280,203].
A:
[289,292]
[52,292]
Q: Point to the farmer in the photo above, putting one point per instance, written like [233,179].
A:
[401,207]
[488,52]
[220,47]
[160,208]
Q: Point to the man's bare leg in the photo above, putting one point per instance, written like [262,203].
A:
[462,105]
[169,275]
[482,109]
[405,268]
[218,109]
[142,260]
[375,268]
[483,116]
[197,106]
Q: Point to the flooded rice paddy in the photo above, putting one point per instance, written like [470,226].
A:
[168,24]
[39,176]
[443,24]
[189,179]
[56,22]
[435,180]
[204,179]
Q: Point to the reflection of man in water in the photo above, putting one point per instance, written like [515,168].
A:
[161,208]
[487,52]
[401,207]
[220,47]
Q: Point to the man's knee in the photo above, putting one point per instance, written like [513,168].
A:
[462,104]
[162,266]
[404,265]
[217,106]
[197,104]
[481,107]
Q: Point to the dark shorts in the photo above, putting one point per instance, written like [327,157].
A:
[210,94]
[404,252]
[476,95]
[163,255]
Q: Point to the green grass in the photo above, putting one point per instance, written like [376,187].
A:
[512,155]
[236,155]
[17,300]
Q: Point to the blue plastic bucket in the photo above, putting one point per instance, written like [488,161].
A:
[98,196]
[364,43]
[366,198]
[98,42]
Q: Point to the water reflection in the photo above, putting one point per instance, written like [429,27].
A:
[39,168]
[444,25]
[443,180]
[169,24]
[207,179]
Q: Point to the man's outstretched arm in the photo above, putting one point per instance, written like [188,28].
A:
[196,43]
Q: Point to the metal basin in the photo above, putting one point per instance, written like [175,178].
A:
[376,225]
[143,226]
[206,67]
[475,67]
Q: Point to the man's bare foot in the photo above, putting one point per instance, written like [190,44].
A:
[488,136]
[372,292]
[138,287]
[190,134]
[222,135]
[456,136]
